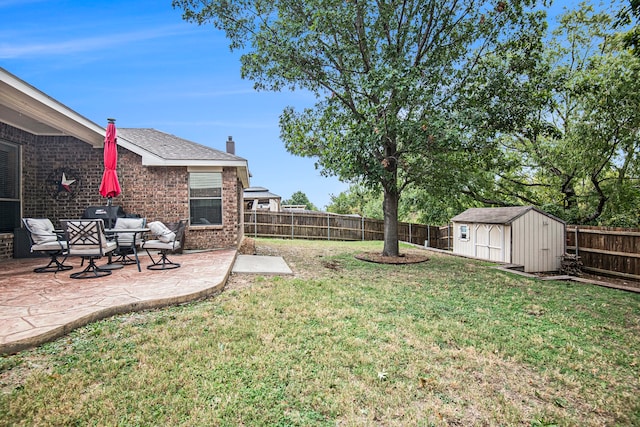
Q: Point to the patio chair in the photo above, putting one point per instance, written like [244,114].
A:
[128,242]
[167,241]
[43,238]
[86,239]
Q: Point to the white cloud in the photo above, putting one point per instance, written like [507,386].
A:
[21,47]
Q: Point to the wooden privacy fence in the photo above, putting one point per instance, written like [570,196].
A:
[602,250]
[606,250]
[327,226]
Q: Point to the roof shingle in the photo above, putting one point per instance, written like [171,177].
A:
[171,147]
[504,215]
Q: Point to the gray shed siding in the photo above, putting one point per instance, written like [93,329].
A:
[529,237]
[538,242]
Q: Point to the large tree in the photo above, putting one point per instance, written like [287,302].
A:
[577,156]
[388,76]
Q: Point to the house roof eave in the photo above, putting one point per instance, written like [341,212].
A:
[27,108]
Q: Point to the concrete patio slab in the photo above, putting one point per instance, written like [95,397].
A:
[36,308]
[261,264]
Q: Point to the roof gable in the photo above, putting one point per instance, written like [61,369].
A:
[27,108]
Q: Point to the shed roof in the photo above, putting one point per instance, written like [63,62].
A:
[503,215]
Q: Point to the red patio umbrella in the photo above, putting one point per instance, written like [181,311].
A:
[110,187]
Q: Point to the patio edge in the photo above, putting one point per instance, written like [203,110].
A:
[55,333]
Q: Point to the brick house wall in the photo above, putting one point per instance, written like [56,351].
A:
[6,245]
[156,193]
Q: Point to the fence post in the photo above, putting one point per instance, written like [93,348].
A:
[328,228]
[428,242]
[410,240]
[255,224]
[577,241]
[362,227]
[291,225]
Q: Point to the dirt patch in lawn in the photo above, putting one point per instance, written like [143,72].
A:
[408,258]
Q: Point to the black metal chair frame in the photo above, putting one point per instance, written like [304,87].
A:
[164,263]
[54,264]
[125,252]
[86,238]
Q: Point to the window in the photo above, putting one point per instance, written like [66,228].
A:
[9,187]
[464,232]
[205,198]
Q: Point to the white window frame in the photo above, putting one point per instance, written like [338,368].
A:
[218,171]
[463,235]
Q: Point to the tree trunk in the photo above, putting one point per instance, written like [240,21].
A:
[390,207]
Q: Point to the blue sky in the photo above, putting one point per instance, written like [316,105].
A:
[138,61]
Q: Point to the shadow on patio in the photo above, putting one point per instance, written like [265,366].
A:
[36,308]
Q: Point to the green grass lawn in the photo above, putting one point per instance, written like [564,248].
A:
[346,342]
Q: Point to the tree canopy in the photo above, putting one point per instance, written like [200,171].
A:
[300,198]
[576,156]
[391,79]
[575,150]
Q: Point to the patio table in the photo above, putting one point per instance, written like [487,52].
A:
[117,231]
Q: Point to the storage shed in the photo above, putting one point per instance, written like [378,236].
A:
[520,235]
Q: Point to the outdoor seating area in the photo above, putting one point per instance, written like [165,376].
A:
[89,240]
[37,308]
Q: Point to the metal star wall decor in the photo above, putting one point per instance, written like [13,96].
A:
[63,183]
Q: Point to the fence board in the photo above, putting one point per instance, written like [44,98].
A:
[606,250]
[318,225]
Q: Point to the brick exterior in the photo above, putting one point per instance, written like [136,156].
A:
[156,193]
[6,245]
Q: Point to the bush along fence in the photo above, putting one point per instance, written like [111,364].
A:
[601,250]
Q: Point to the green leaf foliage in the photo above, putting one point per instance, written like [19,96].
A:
[300,198]
[576,156]
[391,80]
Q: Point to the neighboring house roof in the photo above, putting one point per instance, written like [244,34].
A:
[259,193]
[505,215]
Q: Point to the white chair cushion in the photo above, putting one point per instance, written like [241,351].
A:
[164,234]
[160,245]
[93,250]
[50,246]
[124,223]
[126,239]
[41,230]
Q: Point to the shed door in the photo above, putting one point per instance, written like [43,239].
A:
[489,241]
